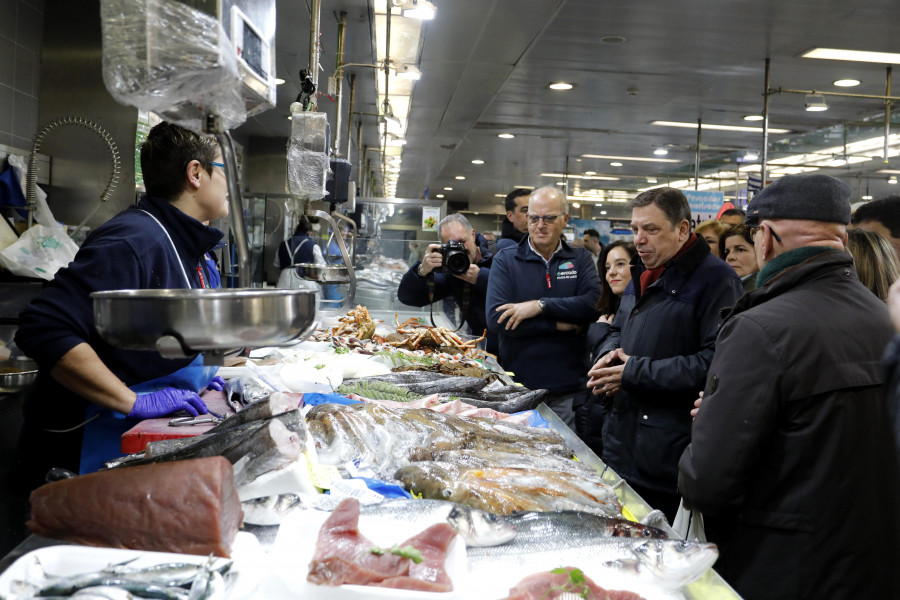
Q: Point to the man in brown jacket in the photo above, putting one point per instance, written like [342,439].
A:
[791,459]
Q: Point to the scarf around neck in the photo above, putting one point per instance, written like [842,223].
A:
[789,259]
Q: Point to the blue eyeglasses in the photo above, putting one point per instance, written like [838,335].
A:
[218,164]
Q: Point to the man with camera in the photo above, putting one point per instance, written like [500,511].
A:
[457,267]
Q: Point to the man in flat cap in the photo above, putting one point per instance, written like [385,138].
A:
[791,458]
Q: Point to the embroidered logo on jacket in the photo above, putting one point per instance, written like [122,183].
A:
[566,270]
[566,266]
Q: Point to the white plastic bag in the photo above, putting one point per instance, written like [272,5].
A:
[40,252]
[688,524]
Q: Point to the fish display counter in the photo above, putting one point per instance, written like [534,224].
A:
[430,490]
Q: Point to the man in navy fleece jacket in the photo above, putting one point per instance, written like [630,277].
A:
[541,297]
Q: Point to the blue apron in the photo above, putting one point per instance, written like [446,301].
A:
[102,435]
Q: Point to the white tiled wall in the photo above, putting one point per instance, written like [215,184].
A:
[21,31]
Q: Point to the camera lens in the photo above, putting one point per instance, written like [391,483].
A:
[457,262]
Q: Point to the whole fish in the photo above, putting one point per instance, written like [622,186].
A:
[275,404]
[268,448]
[270,510]
[480,528]
[512,403]
[671,563]
[534,526]
[425,383]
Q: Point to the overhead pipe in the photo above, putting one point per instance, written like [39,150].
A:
[386,105]
[314,28]
[697,156]
[339,82]
[887,114]
[763,167]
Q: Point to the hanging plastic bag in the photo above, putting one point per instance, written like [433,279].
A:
[40,252]
[688,524]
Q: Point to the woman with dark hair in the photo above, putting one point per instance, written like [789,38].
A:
[296,250]
[737,249]
[615,275]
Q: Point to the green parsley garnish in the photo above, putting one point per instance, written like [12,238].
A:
[575,585]
[409,552]
[320,366]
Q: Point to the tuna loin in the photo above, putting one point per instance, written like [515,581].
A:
[187,506]
[343,555]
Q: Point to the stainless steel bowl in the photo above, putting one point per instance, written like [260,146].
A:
[324,273]
[203,320]
[16,374]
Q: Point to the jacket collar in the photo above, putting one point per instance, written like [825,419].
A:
[684,265]
[525,252]
[819,264]
[189,235]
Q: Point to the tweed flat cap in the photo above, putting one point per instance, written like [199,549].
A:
[810,197]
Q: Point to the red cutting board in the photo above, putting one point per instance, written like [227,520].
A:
[153,430]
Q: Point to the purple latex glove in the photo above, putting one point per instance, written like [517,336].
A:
[165,402]
[216,384]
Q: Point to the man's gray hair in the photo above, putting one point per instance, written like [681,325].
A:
[553,192]
[454,218]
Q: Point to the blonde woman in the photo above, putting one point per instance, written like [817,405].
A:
[875,260]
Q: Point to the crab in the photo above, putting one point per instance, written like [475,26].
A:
[435,337]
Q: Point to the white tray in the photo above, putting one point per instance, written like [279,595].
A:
[249,562]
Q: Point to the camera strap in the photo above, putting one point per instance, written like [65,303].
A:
[465,302]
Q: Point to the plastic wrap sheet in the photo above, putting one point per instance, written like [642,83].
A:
[166,57]
[308,155]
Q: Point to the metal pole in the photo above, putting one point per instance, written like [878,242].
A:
[387,104]
[339,83]
[350,114]
[765,141]
[314,22]
[236,210]
[887,115]
[697,155]
[359,158]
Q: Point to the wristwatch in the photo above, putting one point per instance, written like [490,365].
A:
[541,304]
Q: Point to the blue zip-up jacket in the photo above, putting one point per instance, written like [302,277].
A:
[541,356]
[130,251]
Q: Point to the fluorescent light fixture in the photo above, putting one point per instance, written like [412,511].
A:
[523,187]
[450,189]
[576,205]
[460,177]
[890,58]
[867,197]
[753,118]
[439,196]
[279,81]
[505,136]
[635,158]
[418,9]
[560,85]
[477,161]
[815,103]
[717,127]
[602,212]
[571,176]
[660,152]
[846,83]
[651,180]
[408,72]
[590,172]
[892,180]
[499,195]
[615,164]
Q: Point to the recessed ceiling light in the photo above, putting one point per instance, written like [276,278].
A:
[576,205]
[439,196]
[460,177]
[602,212]
[615,164]
[449,189]
[854,55]
[477,161]
[590,172]
[867,197]
[846,82]
[660,152]
[717,127]
[560,85]
[753,118]
[505,136]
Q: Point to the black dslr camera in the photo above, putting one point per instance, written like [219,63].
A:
[455,258]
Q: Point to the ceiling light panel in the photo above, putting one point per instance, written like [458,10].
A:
[889,58]
[708,126]
[634,158]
